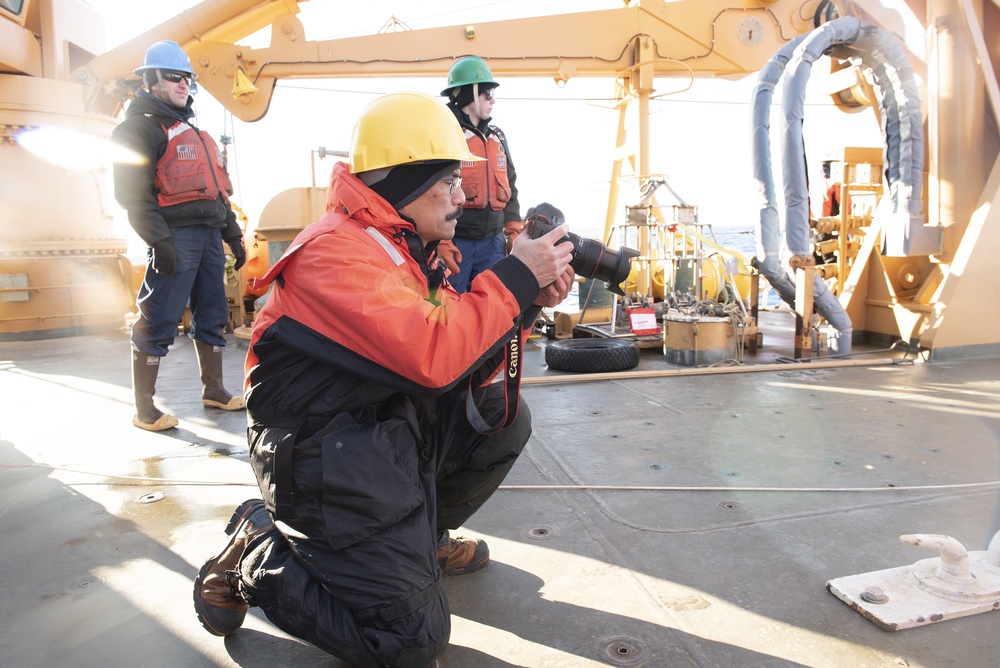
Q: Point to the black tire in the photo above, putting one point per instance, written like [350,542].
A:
[592,355]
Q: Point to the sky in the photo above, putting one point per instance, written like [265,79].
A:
[561,139]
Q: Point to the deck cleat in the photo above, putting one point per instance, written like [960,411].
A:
[957,583]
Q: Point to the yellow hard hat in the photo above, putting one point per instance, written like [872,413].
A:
[406,127]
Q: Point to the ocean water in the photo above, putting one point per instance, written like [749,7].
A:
[744,239]
[738,238]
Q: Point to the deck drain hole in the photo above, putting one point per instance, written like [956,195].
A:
[540,533]
[731,506]
[152,497]
[622,651]
[83,584]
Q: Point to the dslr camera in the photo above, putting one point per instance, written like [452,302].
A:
[591,258]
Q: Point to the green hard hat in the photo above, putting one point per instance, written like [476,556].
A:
[467,71]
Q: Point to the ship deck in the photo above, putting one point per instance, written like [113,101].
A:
[657,520]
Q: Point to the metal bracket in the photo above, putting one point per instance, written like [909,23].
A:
[955,584]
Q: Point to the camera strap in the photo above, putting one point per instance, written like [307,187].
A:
[511,388]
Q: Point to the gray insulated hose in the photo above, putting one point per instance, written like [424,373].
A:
[768,227]
[792,65]
[902,122]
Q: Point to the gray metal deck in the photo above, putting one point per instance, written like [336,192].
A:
[97,568]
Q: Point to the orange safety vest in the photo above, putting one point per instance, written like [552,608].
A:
[485,182]
[191,168]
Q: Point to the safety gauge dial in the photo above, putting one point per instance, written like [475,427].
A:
[750,31]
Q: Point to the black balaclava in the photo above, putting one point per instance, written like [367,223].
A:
[404,183]
[464,95]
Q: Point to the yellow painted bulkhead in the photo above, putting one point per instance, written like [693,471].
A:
[62,265]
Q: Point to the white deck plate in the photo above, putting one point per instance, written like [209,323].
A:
[908,605]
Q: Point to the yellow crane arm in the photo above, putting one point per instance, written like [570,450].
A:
[684,38]
[227,21]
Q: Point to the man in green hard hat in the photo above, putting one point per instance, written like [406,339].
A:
[491,217]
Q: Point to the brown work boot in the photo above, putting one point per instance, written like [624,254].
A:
[220,606]
[458,556]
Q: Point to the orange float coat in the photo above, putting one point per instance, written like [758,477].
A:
[357,281]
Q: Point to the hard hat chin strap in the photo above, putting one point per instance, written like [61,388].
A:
[475,99]
[161,92]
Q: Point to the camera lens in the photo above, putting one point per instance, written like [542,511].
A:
[592,259]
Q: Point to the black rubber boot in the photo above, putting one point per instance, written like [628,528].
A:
[147,415]
[213,392]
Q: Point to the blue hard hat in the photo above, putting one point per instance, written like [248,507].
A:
[165,55]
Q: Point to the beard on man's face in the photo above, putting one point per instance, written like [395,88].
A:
[454,215]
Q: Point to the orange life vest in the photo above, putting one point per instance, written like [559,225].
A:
[485,182]
[191,168]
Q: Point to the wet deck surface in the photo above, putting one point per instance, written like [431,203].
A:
[104,526]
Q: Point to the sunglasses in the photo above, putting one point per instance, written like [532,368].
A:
[489,94]
[454,183]
[176,77]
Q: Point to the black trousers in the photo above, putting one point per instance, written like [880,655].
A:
[378,601]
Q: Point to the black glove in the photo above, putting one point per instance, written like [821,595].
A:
[164,257]
[239,252]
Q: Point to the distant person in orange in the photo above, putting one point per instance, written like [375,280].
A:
[178,203]
[831,196]
[830,208]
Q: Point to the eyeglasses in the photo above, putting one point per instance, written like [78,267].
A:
[176,77]
[454,183]
[489,94]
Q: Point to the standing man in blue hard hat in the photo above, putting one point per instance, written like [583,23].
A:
[178,203]
[491,217]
